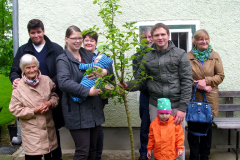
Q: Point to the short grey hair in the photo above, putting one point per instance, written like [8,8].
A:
[27,59]
[145,30]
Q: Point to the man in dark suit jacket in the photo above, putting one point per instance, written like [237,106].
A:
[144,98]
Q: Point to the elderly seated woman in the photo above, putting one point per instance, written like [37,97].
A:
[31,102]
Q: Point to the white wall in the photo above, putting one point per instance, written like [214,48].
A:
[218,17]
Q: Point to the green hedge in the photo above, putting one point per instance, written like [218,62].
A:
[6,55]
[5,97]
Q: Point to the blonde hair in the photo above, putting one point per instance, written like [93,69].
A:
[27,59]
[199,33]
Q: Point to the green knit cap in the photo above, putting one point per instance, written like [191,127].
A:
[164,105]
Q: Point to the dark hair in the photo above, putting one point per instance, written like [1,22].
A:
[91,34]
[159,25]
[70,30]
[34,24]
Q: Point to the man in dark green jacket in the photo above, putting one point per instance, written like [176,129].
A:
[171,74]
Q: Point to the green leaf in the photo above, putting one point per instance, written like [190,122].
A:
[100,47]
[133,57]
[121,58]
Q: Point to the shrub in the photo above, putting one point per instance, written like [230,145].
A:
[5,97]
[6,55]
[6,41]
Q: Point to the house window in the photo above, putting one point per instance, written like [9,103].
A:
[182,38]
[180,31]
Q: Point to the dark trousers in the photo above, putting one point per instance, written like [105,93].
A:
[57,153]
[145,122]
[85,143]
[38,157]
[100,143]
[48,156]
[199,145]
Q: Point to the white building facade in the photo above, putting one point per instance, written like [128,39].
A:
[184,17]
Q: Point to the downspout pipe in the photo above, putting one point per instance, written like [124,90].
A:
[15,27]
[18,139]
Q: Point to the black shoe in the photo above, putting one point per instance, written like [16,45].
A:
[142,157]
[98,158]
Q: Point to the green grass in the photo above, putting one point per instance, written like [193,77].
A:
[5,97]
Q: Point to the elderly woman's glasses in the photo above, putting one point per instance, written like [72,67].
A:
[202,40]
[75,39]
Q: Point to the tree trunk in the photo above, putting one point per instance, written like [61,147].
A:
[129,125]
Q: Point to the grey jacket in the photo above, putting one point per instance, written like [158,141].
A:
[172,76]
[77,115]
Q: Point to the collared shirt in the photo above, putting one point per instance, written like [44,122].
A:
[95,53]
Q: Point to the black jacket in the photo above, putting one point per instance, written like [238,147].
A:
[53,50]
[136,63]
[87,114]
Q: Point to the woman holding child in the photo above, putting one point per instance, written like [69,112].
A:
[207,70]
[82,119]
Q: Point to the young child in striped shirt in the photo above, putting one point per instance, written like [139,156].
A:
[103,61]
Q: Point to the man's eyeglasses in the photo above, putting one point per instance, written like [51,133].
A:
[75,39]
[202,40]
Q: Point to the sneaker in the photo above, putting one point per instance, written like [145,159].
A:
[142,157]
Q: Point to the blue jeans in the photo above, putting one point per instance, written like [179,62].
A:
[145,122]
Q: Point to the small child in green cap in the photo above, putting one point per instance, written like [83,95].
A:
[165,138]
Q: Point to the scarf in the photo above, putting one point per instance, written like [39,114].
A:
[202,55]
[32,82]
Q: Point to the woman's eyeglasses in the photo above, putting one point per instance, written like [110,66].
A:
[75,39]
[202,40]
